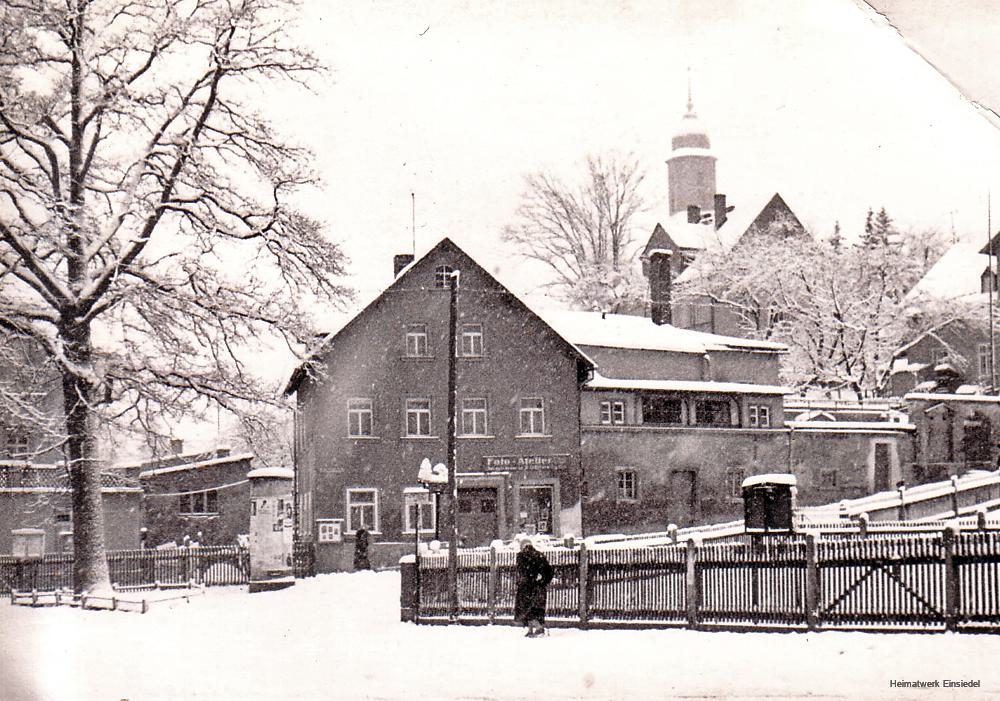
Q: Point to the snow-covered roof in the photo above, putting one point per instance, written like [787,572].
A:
[901,365]
[772,478]
[827,426]
[690,151]
[196,465]
[936,397]
[271,472]
[956,274]
[300,371]
[602,383]
[637,332]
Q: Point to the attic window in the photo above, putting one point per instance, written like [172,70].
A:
[441,275]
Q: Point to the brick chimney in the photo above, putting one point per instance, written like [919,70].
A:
[720,210]
[659,285]
[694,214]
[399,262]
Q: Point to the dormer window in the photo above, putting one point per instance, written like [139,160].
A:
[441,275]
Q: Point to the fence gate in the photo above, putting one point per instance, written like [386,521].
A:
[882,583]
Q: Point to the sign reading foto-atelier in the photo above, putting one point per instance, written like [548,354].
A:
[524,462]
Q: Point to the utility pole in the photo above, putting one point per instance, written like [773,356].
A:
[453,281]
[992,272]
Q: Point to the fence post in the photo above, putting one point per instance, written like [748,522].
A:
[954,495]
[691,582]
[583,601]
[812,582]
[863,524]
[491,587]
[950,579]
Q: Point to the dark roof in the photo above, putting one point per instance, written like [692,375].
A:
[993,247]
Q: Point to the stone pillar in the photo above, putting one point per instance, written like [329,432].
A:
[271,529]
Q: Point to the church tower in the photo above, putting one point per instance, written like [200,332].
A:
[691,166]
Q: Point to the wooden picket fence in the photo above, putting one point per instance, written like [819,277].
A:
[132,569]
[945,580]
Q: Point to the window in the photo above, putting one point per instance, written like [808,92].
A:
[985,364]
[713,412]
[662,410]
[441,275]
[532,417]
[759,415]
[200,503]
[416,341]
[474,417]
[627,485]
[827,479]
[423,512]
[734,482]
[359,417]
[471,342]
[362,510]
[17,447]
[612,413]
[418,417]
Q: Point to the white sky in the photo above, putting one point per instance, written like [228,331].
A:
[456,102]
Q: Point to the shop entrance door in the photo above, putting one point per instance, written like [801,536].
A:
[477,516]
[535,509]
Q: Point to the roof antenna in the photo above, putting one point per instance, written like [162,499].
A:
[413,221]
[690,102]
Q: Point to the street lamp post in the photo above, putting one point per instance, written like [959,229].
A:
[453,280]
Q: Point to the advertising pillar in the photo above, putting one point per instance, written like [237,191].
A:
[271,529]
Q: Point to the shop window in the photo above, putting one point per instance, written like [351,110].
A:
[329,530]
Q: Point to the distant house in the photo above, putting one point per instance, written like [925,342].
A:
[201,497]
[36,498]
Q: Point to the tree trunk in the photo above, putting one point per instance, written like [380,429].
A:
[90,564]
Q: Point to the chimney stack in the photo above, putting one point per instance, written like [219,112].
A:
[399,262]
[720,210]
[694,214]
[660,281]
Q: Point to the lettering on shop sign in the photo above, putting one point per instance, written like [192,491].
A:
[524,462]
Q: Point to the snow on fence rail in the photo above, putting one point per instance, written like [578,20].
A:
[920,580]
[132,569]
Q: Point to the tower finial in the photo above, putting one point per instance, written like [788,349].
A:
[690,103]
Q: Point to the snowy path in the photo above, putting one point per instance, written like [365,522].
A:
[338,637]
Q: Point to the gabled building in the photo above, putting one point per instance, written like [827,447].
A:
[372,405]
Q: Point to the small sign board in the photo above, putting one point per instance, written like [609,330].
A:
[510,463]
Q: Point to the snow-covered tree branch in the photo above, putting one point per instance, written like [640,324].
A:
[148,236]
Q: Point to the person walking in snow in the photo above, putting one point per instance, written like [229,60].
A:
[361,561]
[533,574]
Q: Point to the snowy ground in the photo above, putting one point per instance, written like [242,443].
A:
[338,637]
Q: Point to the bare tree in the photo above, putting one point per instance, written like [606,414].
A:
[583,232]
[842,310]
[146,235]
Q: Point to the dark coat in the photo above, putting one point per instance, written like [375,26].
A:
[533,574]
[361,561]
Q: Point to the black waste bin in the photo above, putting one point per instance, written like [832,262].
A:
[769,503]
